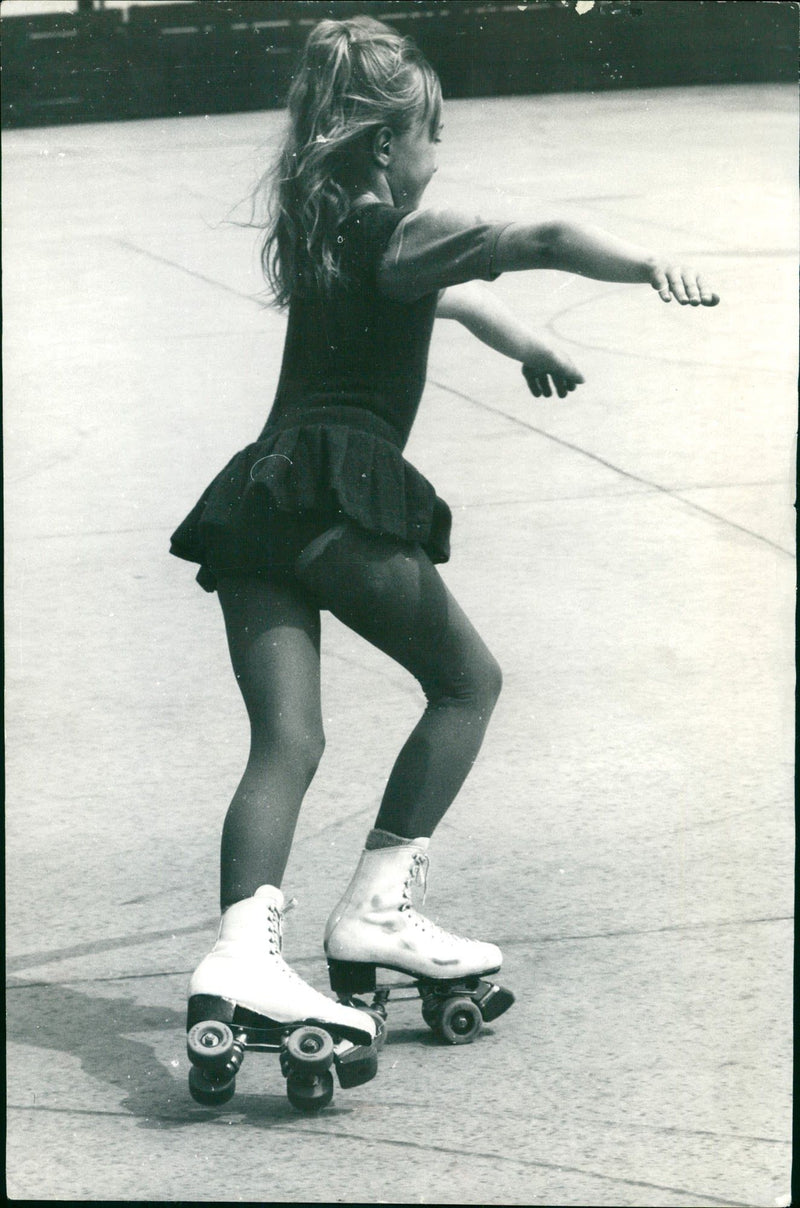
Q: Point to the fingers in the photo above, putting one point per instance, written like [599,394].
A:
[566,384]
[541,383]
[685,285]
[707,296]
[660,283]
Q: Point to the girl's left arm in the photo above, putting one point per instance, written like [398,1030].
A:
[590,252]
[482,313]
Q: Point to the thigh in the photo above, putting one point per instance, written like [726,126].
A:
[390,593]
[273,631]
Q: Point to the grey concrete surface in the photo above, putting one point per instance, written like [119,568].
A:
[626,835]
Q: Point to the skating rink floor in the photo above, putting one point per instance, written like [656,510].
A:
[627,834]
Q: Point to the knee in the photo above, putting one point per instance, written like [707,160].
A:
[309,749]
[477,687]
[298,745]
[490,683]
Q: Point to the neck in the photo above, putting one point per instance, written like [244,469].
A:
[372,185]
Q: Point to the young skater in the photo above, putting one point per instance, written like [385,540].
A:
[323,512]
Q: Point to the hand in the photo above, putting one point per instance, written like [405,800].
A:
[684,284]
[547,367]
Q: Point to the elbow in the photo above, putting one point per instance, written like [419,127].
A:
[530,246]
[462,301]
[555,237]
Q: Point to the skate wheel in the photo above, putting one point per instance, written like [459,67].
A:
[459,1021]
[310,1094]
[208,1091]
[210,1046]
[309,1049]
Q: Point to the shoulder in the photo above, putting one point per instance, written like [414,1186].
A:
[364,236]
[375,220]
[421,225]
[432,249]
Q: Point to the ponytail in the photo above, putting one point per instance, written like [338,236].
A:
[354,76]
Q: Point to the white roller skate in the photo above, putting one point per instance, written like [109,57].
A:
[376,925]
[243,996]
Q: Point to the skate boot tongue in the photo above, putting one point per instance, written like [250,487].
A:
[418,875]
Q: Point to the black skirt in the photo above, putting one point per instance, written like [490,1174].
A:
[307,472]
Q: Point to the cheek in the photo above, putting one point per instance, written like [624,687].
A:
[427,166]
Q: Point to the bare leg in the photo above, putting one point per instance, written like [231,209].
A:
[273,635]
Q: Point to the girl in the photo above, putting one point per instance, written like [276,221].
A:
[323,512]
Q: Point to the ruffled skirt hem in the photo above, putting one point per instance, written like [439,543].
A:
[299,478]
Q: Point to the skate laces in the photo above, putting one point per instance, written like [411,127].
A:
[418,875]
[275,934]
[275,930]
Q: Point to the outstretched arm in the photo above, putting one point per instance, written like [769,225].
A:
[476,307]
[590,252]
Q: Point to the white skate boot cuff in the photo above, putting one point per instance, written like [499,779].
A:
[378,839]
[271,895]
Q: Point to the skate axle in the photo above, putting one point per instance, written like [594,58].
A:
[455,1010]
[382,997]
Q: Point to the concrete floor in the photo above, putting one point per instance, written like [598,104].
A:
[627,834]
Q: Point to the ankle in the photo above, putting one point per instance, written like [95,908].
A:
[377,839]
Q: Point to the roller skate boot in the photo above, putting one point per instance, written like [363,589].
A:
[243,996]
[377,926]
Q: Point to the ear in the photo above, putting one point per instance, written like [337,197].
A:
[383,146]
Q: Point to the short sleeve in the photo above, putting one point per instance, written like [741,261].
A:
[431,249]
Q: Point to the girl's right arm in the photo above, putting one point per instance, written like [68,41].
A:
[590,252]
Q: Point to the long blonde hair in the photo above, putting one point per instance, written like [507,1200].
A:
[355,76]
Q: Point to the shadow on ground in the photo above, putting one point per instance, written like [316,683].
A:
[105,1035]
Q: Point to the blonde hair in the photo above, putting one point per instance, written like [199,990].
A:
[355,76]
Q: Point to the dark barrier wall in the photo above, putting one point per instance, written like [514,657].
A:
[215,57]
